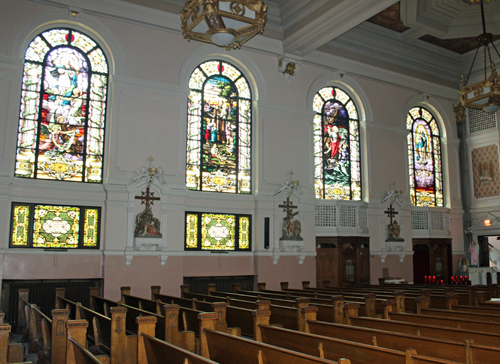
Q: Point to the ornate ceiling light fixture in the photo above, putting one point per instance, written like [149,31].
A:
[484,95]
[225,23]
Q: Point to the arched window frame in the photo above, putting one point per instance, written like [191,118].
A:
[424,142]
[324,131]
[77,146]
[204,148]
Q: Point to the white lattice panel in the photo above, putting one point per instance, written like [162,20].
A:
[347,216]
[420,220]
[363,218]
[437,221]
[326,216]
[481,120]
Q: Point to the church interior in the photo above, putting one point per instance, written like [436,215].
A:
[330,146]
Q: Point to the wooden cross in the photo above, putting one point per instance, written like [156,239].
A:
[391,212]
[287,206]
[147,197]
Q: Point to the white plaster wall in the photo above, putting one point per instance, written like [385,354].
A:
[146,116]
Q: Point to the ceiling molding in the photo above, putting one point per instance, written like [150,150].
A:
[332,23]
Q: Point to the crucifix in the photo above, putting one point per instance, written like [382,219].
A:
[147,198]
[391,212]
[288,207]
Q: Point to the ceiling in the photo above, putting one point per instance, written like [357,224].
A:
[430,39]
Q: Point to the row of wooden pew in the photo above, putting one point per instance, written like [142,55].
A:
[269,326]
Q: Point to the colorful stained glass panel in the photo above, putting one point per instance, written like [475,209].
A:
[20,225]
[59,119]
[49,226]
[56,226]
[424,162]
[212,231]
[218,130]
[337,165]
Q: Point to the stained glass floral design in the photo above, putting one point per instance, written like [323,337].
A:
[424,159]
[49,226]
[337,162]
[219,130]
[206,231]
[63,108]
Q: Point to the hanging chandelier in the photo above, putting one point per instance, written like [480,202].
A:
[483,95]
[225,23]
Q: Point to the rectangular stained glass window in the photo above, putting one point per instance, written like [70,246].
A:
[52,226]
[213,231]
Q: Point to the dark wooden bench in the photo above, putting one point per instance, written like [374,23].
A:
[468,315]
[151,350]
[465,324]
[229,349]
[76,345]
[420,329]
[461,351]
[335,349]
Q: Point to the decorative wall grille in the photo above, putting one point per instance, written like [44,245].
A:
[347,216]
[481,120]
[326,216]
[437,221]
[430,220]
[420,220]
[363,218]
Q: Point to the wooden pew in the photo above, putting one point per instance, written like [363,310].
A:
[229,349]
[424,330]
[335,349]
[475,316]
[167,325]
[404,302]
[336,311]
[10,351]
[151,350]
[46,336]
[466,324]
[110,334]
[76,344]
[219,308]
[464,352]
[290,317]
[102,305]
[373,304]
[477,309]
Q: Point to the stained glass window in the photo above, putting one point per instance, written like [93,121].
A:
[207,231]
[424,158]
[50,226]
[337,165]
[63,108]
[219,130]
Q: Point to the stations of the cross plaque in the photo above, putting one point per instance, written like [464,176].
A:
[391,212]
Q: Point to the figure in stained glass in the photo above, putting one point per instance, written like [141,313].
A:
[424,156]
[336,137]
[219,125]
[63,106]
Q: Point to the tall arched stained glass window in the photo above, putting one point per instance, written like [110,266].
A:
[219,129]
[337,166]
[63,107]
[424,158]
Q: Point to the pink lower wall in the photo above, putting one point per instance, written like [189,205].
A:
[146,271]
[397,269]
[288,270]
[54,265]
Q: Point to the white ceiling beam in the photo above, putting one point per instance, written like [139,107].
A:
[341,17]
